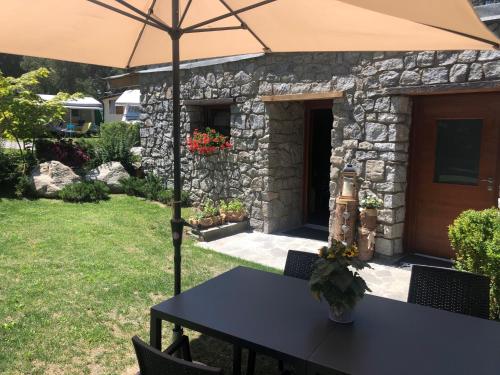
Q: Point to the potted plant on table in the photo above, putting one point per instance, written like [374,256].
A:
[233,210]
[335,278]
[206,216]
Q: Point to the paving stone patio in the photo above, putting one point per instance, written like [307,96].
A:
[271,249]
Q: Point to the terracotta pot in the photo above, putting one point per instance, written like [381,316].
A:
[368,218]
[235,217]
[341,317]
[208,222]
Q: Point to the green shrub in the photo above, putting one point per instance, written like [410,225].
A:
[11,165]
[167,197]
[117,138]
[185,199]
[25,188]
[153,187]
[475,236]
[133,186]
[88,191]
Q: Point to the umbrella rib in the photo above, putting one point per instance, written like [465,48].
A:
[266,47]
[226,15]
[184,14]
[225,28]
[132,16]
[139,37]
[141,13]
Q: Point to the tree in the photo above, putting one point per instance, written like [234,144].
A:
[24,115]
[70,77]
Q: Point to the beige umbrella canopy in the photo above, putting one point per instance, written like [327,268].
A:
[83,31]
[129,33]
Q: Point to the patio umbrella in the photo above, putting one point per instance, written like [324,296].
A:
[133,33]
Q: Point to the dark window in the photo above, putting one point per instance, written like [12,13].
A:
[218,118]
[119,109]
[458,149]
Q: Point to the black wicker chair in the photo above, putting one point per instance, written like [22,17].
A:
[451,290]
[299,264]
[154,362]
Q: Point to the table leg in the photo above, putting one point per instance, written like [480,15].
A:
[236,359]
[251,362]
[300,367]
[155,332]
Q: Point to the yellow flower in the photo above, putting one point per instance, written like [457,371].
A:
[317,295]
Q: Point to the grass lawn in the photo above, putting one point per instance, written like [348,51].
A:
[78,281]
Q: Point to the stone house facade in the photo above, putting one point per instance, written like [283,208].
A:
[370,126]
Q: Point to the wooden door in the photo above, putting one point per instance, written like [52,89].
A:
[454,162]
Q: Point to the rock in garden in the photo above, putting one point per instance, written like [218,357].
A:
[137,151]
[110,173]
[50,177]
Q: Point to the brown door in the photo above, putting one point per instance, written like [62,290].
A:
[454,161]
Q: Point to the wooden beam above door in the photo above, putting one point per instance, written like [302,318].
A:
[302,97]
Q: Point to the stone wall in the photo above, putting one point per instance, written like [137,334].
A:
[371,127]
[282,201]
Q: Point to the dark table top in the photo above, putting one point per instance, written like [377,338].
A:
[270,313]
[277,315]
[392,337]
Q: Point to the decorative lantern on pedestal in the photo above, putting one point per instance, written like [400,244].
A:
[348,182]
[346,208]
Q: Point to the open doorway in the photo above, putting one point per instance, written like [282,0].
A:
[317,154]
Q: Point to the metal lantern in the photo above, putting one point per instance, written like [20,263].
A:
[349,182]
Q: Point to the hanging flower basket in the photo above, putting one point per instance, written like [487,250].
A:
[207,142]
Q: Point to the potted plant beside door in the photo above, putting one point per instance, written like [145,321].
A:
[369,206]
[335,278]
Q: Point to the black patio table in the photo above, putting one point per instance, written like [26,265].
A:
[270,313]
[276,315]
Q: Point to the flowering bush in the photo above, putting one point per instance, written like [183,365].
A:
[66,152]
[207,142]
[335,276]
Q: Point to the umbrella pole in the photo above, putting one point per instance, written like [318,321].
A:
[177,223]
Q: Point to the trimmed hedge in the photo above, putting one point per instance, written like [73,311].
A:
[475,235]
[88,191]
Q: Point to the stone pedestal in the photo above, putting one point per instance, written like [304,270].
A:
[366,233]
[344,205]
